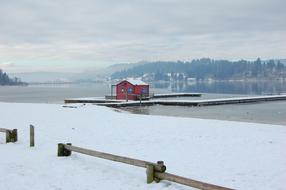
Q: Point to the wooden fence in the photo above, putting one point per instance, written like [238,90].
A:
[155,171]
[11,135]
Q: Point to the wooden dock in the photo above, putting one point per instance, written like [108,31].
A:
[207,102]
[99,100]
[221,101]
[93,100]
[171,95]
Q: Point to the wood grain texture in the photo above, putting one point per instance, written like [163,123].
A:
[4,130]
[122,159]
[189,182]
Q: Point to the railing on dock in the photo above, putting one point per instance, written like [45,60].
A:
[155,171]
[11,135]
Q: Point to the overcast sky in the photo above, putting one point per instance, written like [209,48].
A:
[57,35]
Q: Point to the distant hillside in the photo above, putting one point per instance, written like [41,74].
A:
[167,71]
[205,68]
[6,80]
[282,61]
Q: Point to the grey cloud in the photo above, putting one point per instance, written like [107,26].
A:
[112,30]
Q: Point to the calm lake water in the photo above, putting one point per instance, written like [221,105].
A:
[266,112]
[263,112]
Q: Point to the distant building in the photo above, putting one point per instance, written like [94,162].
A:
[132,89]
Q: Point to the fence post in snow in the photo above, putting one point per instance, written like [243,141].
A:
[14,135]
[161,164]
[61,148]
[8,136]
[11,135]
[150,173]
[62,151]
[32,136]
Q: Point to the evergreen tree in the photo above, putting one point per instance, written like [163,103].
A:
[205,68]
[6,80]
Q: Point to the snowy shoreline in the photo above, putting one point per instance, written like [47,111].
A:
[232,154]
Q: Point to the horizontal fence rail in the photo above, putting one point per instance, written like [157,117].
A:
[155,171]
[112,157]
[11,135]
[188,182]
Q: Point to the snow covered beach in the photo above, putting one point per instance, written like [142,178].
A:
[232,154]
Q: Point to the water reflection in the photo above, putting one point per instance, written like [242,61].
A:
[223,87]
[263,112]
[145,110]
[267,112]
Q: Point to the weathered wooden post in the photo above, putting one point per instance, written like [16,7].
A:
[14,135]
[8,138]
[11,135]
[150,171]
[161,164]
[62,151]
[32,136]
[68,152]
[61,148]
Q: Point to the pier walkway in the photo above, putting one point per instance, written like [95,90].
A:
[207,102]
[204,102]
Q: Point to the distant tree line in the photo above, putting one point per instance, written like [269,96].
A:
[6,80]
[206,68]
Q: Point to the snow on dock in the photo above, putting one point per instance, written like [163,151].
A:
[91,100]
[207,102]
[170,95]
[220,101]
[106,100]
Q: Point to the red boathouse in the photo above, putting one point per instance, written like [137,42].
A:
[131,89]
